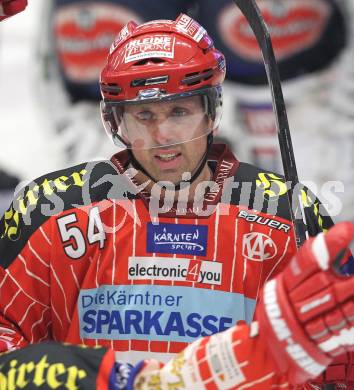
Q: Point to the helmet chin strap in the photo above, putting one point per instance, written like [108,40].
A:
[198,169]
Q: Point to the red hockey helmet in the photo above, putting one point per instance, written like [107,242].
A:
[162,62]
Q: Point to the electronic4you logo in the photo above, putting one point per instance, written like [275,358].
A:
[172,238]
[258,247]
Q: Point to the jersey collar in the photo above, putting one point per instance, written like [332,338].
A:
[220,159]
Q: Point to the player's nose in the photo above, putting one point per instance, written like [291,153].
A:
[162,134]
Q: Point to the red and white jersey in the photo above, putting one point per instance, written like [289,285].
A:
[84,260]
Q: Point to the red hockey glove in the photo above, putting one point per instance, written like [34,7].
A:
[306,314]
[11,7]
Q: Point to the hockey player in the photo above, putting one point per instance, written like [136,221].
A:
[165,249]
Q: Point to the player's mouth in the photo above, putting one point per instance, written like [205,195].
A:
[168,159]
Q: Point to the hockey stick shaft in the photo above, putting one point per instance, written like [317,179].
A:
[253,15]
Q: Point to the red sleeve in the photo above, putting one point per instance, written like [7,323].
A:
[255,361]
[11,7]
[234,359]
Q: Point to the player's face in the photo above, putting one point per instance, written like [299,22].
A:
[176,132]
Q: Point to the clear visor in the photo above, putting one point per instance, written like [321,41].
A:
[156,124]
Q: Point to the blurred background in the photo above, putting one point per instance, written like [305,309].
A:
[51,56]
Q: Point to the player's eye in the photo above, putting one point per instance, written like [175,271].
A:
[179,112]
[144,115]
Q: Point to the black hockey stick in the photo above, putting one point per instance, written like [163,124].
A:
[253,15]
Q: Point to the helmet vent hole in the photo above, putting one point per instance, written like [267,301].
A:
[111,89]
[191,74]
[197,77]
[149,60]
[207,74]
